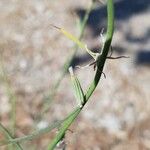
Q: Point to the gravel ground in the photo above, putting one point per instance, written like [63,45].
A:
[33,53]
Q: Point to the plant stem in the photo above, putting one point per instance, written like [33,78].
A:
[12,99]
[101,61]
[64,128]
[51,96]
[33,135]
[100,66]
[8,134]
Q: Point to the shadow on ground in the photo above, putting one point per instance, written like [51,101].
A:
[143,58]
[124,10]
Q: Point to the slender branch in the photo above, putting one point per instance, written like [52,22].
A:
[51,96]
[12,98]
[37,133]
[64,128]
[105,49]
[8,134]
[100,66]
[33,135]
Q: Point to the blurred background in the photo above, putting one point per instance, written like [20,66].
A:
[32,55]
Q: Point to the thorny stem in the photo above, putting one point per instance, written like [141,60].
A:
[100,66]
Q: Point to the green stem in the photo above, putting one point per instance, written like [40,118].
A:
[64,128]
[8,134]
[12,98]
[51,96]
[100,66]
[33,135]
[102,59]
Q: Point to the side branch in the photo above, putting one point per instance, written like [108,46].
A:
[100,64]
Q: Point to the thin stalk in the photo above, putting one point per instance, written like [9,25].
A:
[9,136]
[33,135]
[38,133]
[64,125]
[105,50]
[12,99]
[64,128]
[100,66]
[51,96]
